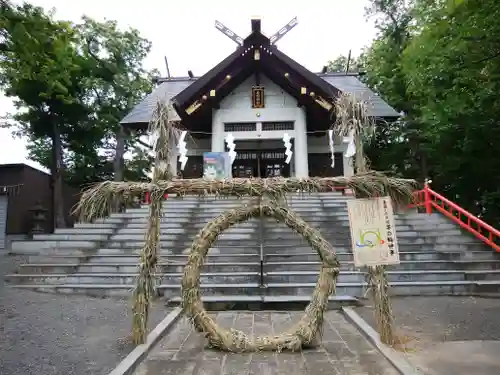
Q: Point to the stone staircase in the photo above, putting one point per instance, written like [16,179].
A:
[256,261]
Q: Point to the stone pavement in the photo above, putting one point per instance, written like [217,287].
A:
[448,335]
[343,350]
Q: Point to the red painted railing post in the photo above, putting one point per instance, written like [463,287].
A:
[427,197]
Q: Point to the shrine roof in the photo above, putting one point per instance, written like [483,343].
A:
[168,88]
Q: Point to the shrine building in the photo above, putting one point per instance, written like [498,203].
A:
[258,94]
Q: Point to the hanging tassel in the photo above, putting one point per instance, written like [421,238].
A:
[332,147]
[182,150]
[288,148]
[351,147]
[231,146]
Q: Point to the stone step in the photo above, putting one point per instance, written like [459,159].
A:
[280,290]
[392,276]
[345,242]
[402,288]
[341,218]
[471,264]
[213,266]
[130,278]
[250,255]
[110,227]
[185,229]
[268,233]
[124,290]
[35,247]
[131,267]
[403,256]
[334,301]
[251,277]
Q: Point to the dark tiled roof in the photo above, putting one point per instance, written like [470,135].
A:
[168,88]
[350,83]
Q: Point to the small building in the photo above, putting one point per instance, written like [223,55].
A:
[23,187]
[258,94]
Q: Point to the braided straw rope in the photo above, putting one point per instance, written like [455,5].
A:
[302,334]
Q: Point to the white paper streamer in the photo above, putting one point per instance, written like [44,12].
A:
[288,146]
[182,147]
[351,147]
[332,147]
[231,146]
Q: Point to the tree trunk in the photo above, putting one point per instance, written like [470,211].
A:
[57,182]
[119,163]
[119,152]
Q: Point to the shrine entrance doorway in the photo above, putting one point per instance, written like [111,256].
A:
[261,164]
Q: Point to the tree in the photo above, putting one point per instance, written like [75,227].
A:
[41,69]
[453,65]
[118,82]
[339,65]
[72,85]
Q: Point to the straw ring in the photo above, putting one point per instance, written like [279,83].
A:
[303,333]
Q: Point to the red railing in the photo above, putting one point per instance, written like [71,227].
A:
[147,198]
[431,200]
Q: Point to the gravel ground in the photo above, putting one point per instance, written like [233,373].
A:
[440,319]
[51,334]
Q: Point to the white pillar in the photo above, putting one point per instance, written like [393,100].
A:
[348,167]
[217,132]
[173,157]
[300,145]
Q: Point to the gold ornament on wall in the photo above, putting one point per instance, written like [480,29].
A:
[258,97]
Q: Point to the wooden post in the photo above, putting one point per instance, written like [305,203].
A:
[427,197]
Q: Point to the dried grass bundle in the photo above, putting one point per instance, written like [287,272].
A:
[164,134]
[352,120]
[302,334]
[94,201]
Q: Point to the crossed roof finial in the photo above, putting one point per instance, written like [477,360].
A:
[256,28]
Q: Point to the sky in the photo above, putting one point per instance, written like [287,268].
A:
[184,31]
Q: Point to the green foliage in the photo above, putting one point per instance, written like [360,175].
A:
[439,63]
[79,80]
[339,64]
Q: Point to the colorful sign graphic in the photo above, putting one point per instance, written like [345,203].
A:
[373,232]
[369,238]
[216,165]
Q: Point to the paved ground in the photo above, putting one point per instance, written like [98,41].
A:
[50,334]
[449,335]
[343,350]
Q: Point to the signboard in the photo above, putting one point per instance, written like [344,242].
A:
[258,97]
[373,232]
[216,165]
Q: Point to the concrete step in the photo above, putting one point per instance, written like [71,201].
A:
[392,276]
[35,247]
[412,265]
[465,247]
[280,290]
[131,267]
[403,255]
[227,302]
[124,290]
[345,242]
[252,277]
[333,218]
[268,233]
[185,229]
[130,278]
[431,288]
[87,230]
[215,264]
[229,255]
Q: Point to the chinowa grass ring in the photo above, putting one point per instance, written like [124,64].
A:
[300,335]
